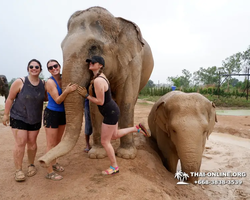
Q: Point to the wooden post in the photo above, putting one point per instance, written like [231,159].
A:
[247,82]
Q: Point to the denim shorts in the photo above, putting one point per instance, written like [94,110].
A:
[18,124]
[52,119]
[88,125]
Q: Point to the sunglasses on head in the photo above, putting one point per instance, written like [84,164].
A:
[51,67]
[31,67]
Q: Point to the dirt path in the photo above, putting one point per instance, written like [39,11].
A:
[141,178]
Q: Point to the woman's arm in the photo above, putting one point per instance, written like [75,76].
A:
[14,90]
[52,90]
[100,85]
[46,94]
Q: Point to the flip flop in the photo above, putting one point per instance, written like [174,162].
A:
[146,133]
[111,170]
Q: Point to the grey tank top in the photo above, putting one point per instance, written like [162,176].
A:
[28,105]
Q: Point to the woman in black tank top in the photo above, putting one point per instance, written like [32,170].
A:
[23,109]
[101,95]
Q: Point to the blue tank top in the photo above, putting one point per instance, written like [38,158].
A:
[52,105]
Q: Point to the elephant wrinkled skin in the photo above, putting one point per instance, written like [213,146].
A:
[4,87]
[128,66]
[180,123]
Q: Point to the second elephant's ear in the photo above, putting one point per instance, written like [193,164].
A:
[130,41]
[161,118]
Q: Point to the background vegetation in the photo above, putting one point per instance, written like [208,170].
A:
[219,84]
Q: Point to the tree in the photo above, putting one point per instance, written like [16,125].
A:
[206,76]
[181,81]
[11,81]
[185,79]
[175,80]
[150,84]
[232,65]
[246,58]
[41,76]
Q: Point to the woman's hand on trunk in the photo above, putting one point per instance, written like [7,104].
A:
[82,91]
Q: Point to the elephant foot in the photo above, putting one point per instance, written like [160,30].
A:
[127,153]
[97,152]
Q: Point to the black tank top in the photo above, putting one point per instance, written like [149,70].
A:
[107,94]
[28,104]
[109,110]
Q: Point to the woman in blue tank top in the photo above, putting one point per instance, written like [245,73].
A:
[109,110]
[54,114]
[25,105]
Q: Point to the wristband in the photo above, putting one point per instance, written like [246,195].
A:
[86,95]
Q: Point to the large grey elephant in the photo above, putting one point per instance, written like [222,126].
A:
[180,123]
[4,87]
[128,66]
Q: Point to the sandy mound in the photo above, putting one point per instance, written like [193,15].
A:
[141,178]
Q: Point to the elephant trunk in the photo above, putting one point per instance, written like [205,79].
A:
[74,105]
[74,117]
[190,154]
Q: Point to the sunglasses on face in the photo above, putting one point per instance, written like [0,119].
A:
[93,63]
[31,67]
[51,67]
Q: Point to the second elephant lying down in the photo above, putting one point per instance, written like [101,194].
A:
[180,123]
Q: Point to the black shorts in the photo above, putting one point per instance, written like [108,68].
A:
[110,111]
[52,119]
[18,124]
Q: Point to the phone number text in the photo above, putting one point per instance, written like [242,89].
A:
[219,182]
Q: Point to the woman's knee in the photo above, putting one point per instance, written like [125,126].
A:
[21,143]
[32,146]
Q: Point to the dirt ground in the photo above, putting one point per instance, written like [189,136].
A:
[144,177]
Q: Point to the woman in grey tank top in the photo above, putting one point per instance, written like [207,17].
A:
[24,105]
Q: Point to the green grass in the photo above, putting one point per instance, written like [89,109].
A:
[149,98]
[219,101]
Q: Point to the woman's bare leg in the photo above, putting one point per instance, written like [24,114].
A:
[121,132]
[32,145]
[106,134]
[20,137]
[51,137]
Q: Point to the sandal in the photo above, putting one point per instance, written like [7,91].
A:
[57,167]
[54,176]
[31,170]
[19,176]
[111,170]
[142,128]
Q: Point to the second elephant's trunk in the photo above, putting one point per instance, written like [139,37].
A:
[74,117]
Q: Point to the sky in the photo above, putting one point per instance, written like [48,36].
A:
[182,34]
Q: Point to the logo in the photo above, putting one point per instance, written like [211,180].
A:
[181,176]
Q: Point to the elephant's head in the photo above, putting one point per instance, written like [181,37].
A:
[181,123]
[94,31]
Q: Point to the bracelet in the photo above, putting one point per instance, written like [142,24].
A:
[86,95]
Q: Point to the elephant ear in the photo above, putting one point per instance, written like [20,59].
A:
[161,117]
[130,41]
